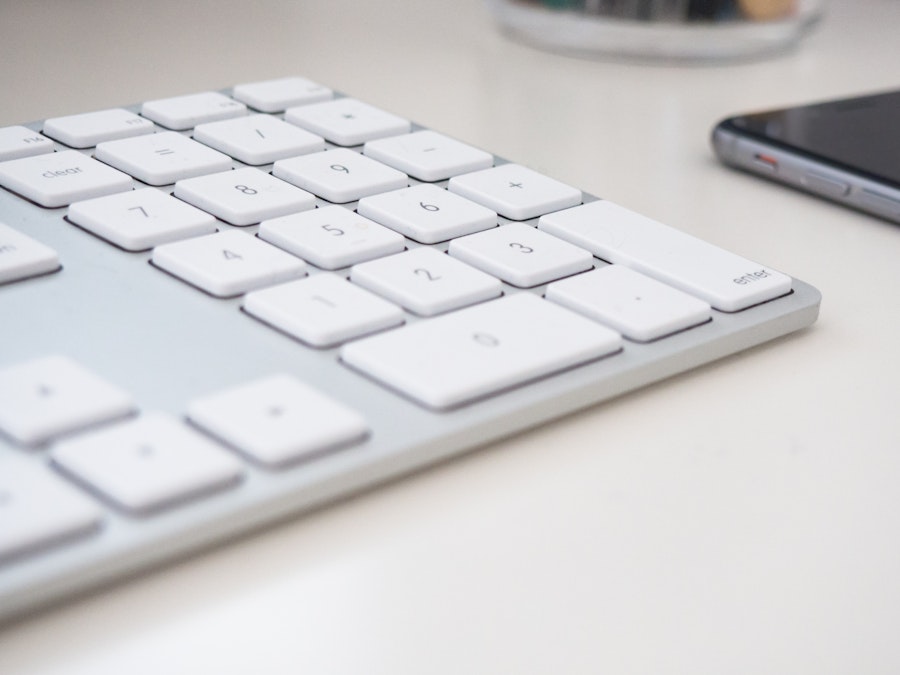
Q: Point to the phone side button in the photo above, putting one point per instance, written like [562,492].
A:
[825,185]
[880,202]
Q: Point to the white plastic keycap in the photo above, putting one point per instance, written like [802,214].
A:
[22,257]
[521,255]
[428,155]
[277,420]
[163,158]
[18,141]
[140,219]
[244,196]
[637,306]
[346,121]
[725,280]
[147,463]
[515,192]
[276,95]
[331,237]
[426,281]
[88,129]
[322,310]
[481,350]
[52,395]
[184,112]
[37,508]
[427,213]
[60,178]
[340,175]
[227,263]
[258,139]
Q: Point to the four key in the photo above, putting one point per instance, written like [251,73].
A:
[227,263]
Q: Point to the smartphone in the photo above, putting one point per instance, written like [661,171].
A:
[846,150]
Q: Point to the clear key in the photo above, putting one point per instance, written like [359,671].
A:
[60,178]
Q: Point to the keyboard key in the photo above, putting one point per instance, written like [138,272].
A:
[339,176]
[323,310]
[277,420]
[521,255]
[258,139]
[163,158]
[726,281]
[49,396]
[141,219]
[147,463]
[637,306]
[427,213]
[17,142]
[346,121]
[227,263]
[38,508]
[459,357]
[244,196]
[88,129]
[22,257]
[426,281]
[60,178]
[277,95]
[428,155]
[185,112]
[331,237]
[515,192]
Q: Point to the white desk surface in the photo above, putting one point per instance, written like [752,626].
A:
[744,518]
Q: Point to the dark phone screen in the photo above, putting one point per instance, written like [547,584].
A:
[861,135]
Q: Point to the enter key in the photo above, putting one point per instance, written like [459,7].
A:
[725,280]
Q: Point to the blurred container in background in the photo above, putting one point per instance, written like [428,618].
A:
[678,30]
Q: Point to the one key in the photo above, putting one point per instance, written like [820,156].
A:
[227,263]
[22,257]
[49,396]
[277,95]
[60,178]
[163,158]
[258,139]
[141,219]
[185,112]
[515,192]
[17,142]
[331,237]
[426,281]
[726,281]
[428,155]
[244,196]
[521,255]
[637,306]
[346,121]
[278,420]
[340,175]
[481,350]
[323,310]
[88,129]
[147,463]
[427,213]
[38,509]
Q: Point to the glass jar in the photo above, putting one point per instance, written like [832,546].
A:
[682,30]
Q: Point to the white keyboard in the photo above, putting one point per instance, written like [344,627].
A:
[222,308]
